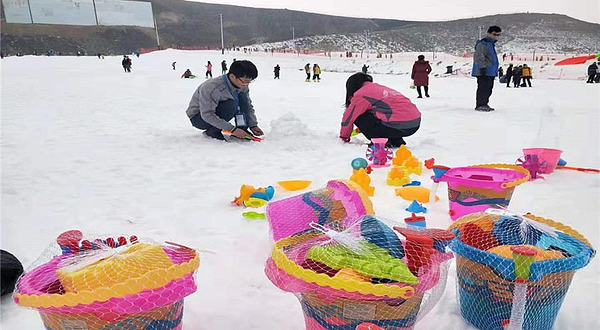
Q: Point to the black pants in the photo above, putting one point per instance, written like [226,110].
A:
[426,88]
[208,73]
[372,127]
[526,81]
[485,84]
[276,75]
[508,81]
[591,79]
[316,77]
[516,81]
[225,110]
[308,76]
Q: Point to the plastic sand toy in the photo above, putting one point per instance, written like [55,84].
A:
[98,284]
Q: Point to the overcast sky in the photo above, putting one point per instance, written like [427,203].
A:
[429,10]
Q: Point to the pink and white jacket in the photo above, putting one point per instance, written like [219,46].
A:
[391,107]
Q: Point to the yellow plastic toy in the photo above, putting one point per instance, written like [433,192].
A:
[245,192]
[361,178]
[293,185]
[136,261]
[412,165]
[351,274]
[397,177]
[410,193]
[402,154]
[252,197]
[505,251]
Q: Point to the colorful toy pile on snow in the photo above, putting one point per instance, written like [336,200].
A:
[110,283]
[349,269]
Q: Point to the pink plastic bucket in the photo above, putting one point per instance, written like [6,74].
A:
[338,201]
[548,155]
[475,189]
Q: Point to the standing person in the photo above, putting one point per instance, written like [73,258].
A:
[173,65]
[500,72]
[276,70]
[223,67]
[591,72]
[509,74]
[503,57]
[218,101]
[208,70]
[124,63]
[378,111]
[420,75]
[517,74]
[316,73]
[365,68]
[526,73]
[307,70]
[485,67]
[597,79]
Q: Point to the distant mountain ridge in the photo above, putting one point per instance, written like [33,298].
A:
[186,23]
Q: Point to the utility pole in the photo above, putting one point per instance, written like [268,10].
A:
[156,29]
[222,41]
[480,31]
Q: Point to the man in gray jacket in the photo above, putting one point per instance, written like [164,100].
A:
[485,67]
[218,100]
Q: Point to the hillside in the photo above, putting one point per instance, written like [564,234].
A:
[186,23]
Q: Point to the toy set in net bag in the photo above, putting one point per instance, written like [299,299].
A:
[514,270]
[108,284]
[350,270]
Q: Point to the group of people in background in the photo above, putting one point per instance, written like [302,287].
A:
[520,76]
[593,72]
[316,71]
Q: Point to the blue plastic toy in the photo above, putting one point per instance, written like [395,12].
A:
[358,163]
[562,162]
[413,183]
[416,207]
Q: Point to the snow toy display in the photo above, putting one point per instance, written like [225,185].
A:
[354,274]
[378,154]
[477,188]
[405,159]
[397,177]
[331,204]
[515,270]
[545,155]
[252,197]
[99,284]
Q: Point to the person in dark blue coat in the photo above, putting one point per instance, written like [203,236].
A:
[485,67]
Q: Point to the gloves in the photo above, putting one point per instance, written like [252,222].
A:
[345,139]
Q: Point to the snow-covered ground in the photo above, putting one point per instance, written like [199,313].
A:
[86,146]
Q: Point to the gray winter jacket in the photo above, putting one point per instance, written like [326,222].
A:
[207,97]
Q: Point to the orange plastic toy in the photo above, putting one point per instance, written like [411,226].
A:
[293,185]
[361,178]
[397,177]
[410,193]
[402,154]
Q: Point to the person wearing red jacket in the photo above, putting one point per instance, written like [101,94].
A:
[378,111]
[420,75]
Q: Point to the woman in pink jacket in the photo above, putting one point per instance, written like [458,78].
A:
[378,111]
[208,70]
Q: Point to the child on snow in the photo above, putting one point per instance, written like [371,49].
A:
[217,101]
[316,73]
[378,111]
[188,74]
[208,70]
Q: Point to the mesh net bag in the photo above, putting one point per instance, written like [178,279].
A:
[93,283]
[514,270]
[351,271]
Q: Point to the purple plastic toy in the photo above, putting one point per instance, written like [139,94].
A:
[378,154]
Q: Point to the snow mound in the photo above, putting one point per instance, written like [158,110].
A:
[286,126]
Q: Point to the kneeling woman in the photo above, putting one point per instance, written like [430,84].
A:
[378,111]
